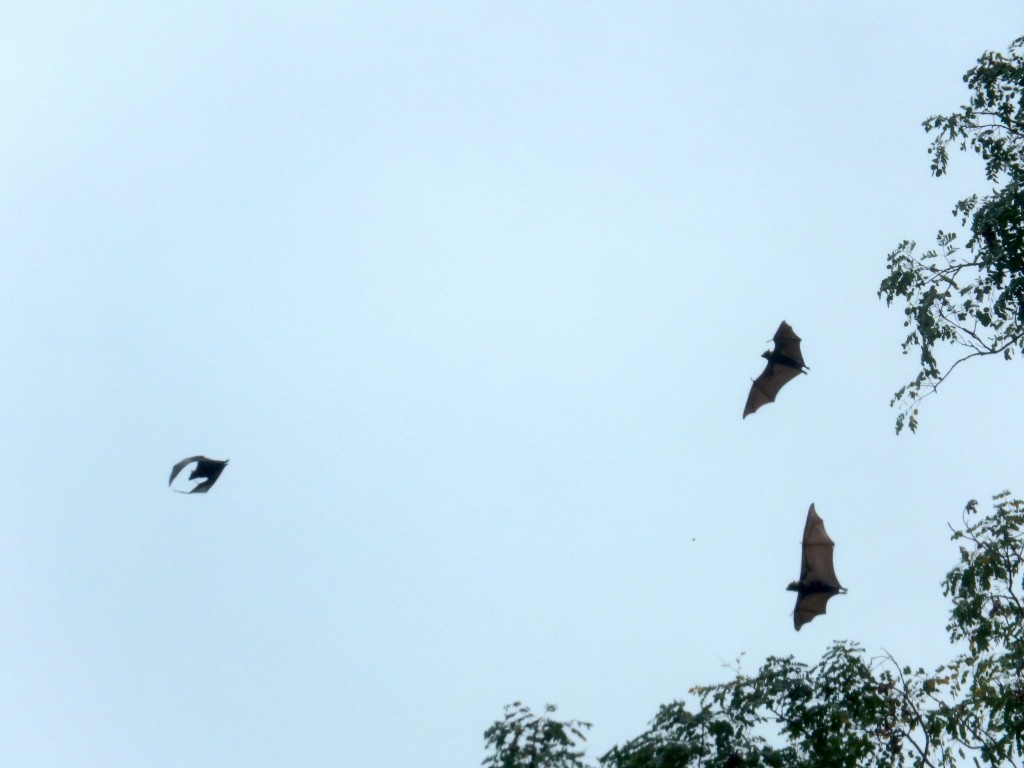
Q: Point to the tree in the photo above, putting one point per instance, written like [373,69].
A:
[969,298]
[849,710]
[987,679]
[524,740]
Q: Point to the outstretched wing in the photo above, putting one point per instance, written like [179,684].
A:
[809,605]
[787,345]
[816,564]
[766,387]
[181,465]
[204,486]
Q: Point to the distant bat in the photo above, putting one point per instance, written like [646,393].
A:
[208,469]
[818,581]
[785,363]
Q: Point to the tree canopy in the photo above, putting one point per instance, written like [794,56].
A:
[969,298]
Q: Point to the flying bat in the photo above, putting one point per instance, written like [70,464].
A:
[208,469]
[785,363]
[818,581]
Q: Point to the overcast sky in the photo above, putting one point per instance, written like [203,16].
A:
[470,295]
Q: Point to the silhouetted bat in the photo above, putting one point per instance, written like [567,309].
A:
[785,363]
[208,469]
[818,581]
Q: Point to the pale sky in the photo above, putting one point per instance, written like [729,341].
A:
[470,295]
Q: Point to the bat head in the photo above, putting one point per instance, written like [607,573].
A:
[794,586]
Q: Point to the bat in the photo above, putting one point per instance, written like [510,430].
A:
[785,363]
[208,469]
[818,581]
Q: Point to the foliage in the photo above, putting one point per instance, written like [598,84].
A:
[525,740]
[845,711]
[849,709]
[971,298]
[988,614]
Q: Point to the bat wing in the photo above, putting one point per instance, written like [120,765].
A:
[816,564]
[203,487]
[787,345]
[208,469]
[182,464]
[809,605]
[766,387]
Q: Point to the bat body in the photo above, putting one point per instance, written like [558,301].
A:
[207,469]
[818,581]
[785,363]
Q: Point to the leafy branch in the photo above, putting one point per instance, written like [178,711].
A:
[971,298]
